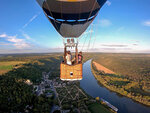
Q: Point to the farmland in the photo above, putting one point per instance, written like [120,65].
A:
[6,66]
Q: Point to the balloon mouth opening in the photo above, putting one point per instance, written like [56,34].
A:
[72,0]
[80,20]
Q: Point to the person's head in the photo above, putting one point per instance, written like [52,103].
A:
[68,52]
[80,53]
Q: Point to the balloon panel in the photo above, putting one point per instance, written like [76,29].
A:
[71,17]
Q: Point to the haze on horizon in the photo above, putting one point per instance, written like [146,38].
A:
[121,27]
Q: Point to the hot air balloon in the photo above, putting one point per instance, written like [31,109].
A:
[71,18]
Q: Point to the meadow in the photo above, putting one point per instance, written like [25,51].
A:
[6,66]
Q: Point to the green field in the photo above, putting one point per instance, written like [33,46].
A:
[6,66]
[9,67]
[133,66]
[98,108]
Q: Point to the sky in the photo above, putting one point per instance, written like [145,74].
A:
[122,26]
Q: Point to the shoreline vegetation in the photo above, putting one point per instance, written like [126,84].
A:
[120,84]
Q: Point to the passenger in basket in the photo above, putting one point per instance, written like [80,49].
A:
[80,57]
[68,58]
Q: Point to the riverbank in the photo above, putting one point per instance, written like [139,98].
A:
[119,84]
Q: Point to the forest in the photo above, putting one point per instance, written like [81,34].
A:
[15,94]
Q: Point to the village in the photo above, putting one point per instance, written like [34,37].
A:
[65,94]
[52,87]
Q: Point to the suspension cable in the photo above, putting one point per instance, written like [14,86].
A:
[51,14]
[90,38]
[92,9]
[79,13]
[91,22]
[95,37]
[84,41]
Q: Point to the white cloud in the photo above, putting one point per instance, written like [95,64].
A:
[17,42]
[114,45]
[4,44]
[104,23]
[31,50]
[146,23]
[21,45]
[108,3]
[135,41]
[3,35]
[135,44]
[120,29]
[14,39]
[33,18]
[26,36]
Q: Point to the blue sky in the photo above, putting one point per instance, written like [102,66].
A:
[121,26]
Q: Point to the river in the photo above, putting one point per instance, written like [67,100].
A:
[125,105]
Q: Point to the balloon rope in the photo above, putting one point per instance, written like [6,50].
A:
[90,38]
[84,42]
[91,27]
[61,9]
[91,33]
[94,41]
[92,9]
[95,37]
[52,15]
[79,15]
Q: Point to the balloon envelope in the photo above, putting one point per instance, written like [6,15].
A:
[71,17]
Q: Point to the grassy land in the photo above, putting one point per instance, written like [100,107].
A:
[98,108]
[6,66]
[132,78]
[9,67]
[6,63]
[134,67]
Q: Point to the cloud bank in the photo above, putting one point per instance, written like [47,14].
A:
[104,23]
[15,41]
[146,23]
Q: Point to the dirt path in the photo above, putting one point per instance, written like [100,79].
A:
[102,68]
